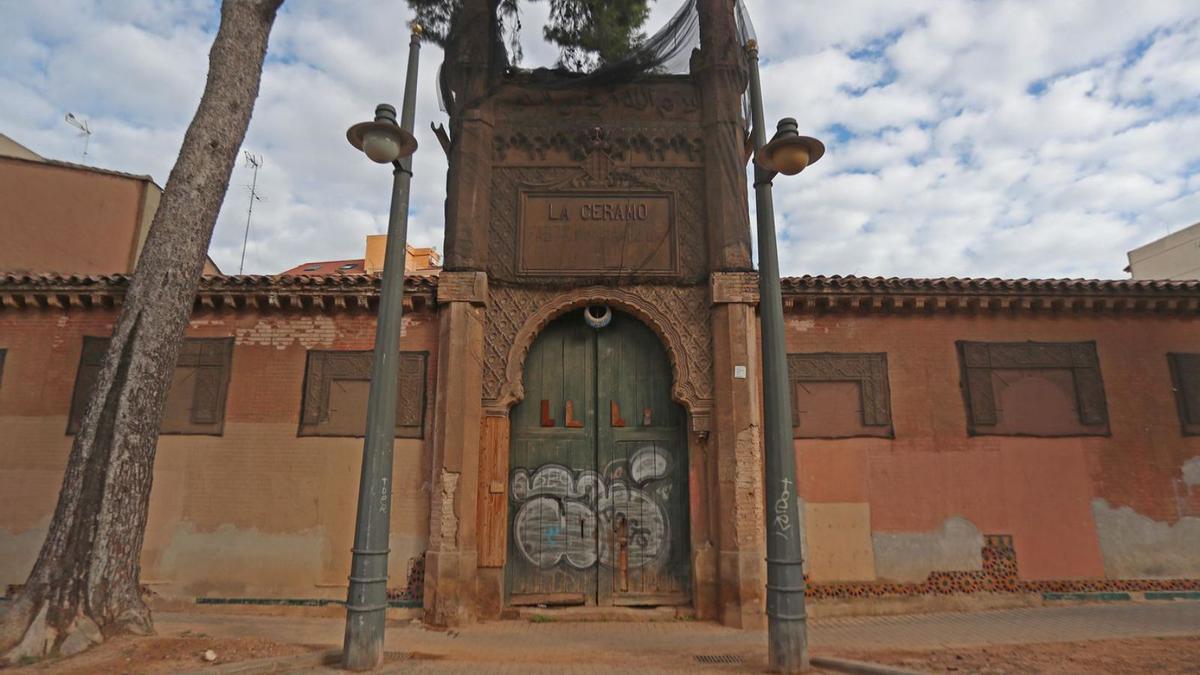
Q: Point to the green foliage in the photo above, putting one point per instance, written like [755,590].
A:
[541,618]
[595,32]
[588,32]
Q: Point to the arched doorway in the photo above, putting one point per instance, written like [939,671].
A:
[598,473]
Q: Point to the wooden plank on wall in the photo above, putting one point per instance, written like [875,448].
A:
[492,515]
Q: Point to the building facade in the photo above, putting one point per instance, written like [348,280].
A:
[70,218]
[1175,256]
[579,419]
[953,437]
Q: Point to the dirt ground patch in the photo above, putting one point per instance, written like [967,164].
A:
[162,654]
[1131,655]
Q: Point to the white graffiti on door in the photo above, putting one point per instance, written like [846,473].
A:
[557,518]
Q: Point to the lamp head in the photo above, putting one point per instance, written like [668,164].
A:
[382,140]
[788,152]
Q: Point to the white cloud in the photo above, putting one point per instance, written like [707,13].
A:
[1004,138]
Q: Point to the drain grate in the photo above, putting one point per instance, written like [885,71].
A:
[719,659]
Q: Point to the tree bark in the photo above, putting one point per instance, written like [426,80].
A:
[84,585]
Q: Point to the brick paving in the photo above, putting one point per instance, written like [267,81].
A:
[671,646]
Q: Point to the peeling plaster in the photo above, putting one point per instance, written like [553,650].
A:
[911,556]
[231,561]
[18,551]
[801,325]
[447,521]
[1191,472]
[309,332]
[747,471]
[1136,546]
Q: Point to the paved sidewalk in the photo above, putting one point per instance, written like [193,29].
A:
[568,647]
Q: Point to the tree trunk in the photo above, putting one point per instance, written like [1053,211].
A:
[84,585]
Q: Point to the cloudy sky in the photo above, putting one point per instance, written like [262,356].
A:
[966,137]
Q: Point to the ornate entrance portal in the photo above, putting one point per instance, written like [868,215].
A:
[598,472]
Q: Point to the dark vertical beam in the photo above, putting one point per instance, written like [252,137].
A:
[721,72]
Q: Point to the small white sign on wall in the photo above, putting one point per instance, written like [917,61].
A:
[739,372]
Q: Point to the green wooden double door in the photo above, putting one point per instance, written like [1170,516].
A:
[598,482]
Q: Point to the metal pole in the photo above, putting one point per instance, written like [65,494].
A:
[366,603]
[787,628]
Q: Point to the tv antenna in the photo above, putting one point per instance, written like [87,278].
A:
[255,161]
[84,130]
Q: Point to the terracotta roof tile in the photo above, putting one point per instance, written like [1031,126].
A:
[990,285]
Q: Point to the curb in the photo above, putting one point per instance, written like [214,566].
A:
[272,664]
[859,667]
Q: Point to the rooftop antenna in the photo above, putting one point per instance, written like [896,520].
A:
[84,130]
[255,161]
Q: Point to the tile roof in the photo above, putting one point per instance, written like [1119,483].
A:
[356,266]
[991,285]
[899,294]
[351,291]
[821,293]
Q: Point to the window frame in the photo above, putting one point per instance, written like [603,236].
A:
[868,369]
[978,359]
[93,349]
[1183,367]
[356,364]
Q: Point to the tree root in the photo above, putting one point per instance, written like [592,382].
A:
[40,639]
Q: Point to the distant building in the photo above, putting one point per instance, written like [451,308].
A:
[418,261]
[63,217]
[1175,256]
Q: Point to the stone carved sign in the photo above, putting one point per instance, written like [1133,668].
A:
[981,361]
[869,371]
[659,231]
[596,232]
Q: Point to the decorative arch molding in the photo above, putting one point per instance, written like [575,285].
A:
[679,316]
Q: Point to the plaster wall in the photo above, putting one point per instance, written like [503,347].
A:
[1175,256]
[1117,506]
[60,219]
[255,512]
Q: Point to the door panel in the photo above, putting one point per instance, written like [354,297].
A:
[551,550]
[643,523]
[598,511]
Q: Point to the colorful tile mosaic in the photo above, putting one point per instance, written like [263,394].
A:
[999,575]
[414,590]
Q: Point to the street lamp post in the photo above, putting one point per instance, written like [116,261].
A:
[366,603]
[787,629]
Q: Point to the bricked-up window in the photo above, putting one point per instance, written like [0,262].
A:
[1033,389]
[1185,379]
[336,385]
[840,395]
[196,400]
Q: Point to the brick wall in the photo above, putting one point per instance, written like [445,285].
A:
[1077,507]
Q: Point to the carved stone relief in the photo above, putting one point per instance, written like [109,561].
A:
[642,145]
[678,101]
[868,370]
[678,315]
[327,368]
[982,361]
